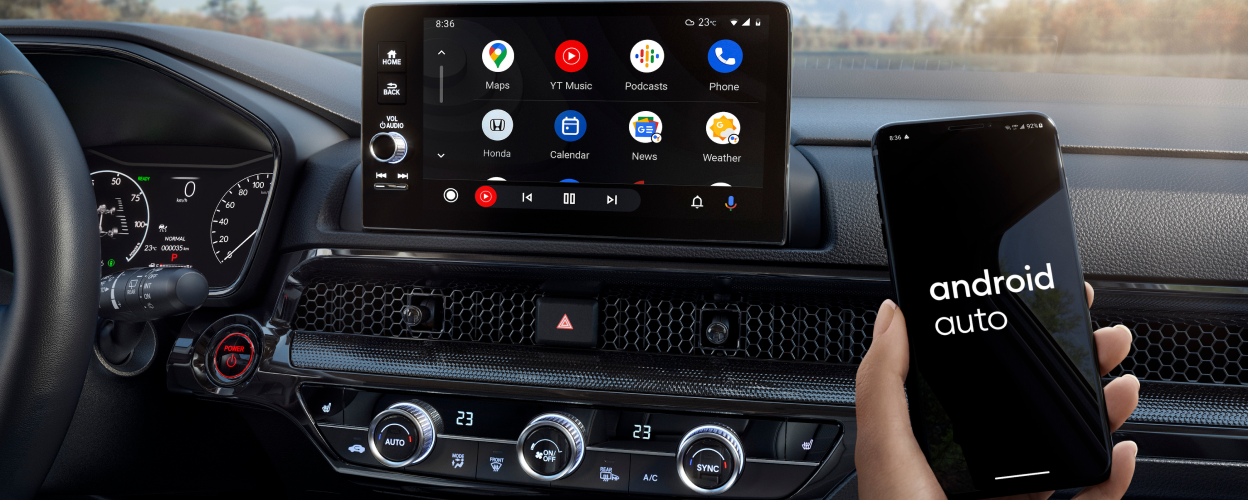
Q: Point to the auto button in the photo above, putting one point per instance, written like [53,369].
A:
[404,434]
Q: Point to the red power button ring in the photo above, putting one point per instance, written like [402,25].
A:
[229,350]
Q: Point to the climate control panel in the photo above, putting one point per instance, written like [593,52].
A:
[583,447]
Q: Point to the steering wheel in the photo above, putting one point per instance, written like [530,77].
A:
[46,330]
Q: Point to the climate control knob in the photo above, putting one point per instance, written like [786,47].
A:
[710,459]
[552,446]
[404,433]
[389,147]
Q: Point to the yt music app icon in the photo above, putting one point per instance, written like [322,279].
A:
[571,56]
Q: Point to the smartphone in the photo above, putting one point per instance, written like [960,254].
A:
[1004,389]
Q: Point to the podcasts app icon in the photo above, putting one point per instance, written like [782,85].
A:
[497,56]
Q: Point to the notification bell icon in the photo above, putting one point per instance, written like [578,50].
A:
[697,202]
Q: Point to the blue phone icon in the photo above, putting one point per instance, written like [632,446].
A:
[725,56]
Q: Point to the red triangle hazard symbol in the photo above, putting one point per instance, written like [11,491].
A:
[564,324]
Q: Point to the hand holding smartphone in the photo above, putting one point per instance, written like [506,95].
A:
[1004,384]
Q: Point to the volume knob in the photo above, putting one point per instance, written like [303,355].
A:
[404,433]
[388,147]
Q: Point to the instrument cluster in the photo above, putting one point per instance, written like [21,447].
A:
[180,206]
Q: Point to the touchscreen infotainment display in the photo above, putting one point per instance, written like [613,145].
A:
[630,120]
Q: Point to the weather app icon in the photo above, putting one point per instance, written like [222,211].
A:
[725,56]
[724,128]
[647,56]
[570,125]
[497,56]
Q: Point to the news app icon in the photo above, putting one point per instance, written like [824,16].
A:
[647,56]
[725,56]
[645,127]
[497,125]
[571,56]
[497,56]
[570,125]
[724,128]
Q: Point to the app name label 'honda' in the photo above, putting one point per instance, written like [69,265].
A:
[983,287]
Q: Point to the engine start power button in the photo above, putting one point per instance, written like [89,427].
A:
[234,355]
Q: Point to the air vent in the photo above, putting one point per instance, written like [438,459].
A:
[816,328]
[774,326]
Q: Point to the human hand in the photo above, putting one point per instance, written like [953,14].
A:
[890,463]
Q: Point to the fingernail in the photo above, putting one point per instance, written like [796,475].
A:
[887,303]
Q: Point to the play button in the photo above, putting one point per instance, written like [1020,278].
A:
[486,196]
[571,56]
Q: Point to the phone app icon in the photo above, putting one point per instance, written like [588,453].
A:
[724,128]
[497,56]
[570,125]
[647,56]
[725,56]
[497,125]
[645,127]
[571,56]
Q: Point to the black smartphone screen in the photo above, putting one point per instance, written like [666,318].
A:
[1004,389]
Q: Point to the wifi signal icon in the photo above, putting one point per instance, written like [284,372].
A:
[733,21]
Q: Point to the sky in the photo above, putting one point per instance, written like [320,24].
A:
[867,14]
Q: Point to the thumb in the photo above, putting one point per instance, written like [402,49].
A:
[886,449]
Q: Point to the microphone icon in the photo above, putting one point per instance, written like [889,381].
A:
[732,203]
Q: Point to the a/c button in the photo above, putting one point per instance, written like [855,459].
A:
[655,475]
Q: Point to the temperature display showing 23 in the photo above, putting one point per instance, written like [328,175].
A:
[181,206]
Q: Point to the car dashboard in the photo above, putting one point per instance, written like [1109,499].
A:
[242,159]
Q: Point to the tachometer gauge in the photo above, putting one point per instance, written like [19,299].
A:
[237,217]
[121,207]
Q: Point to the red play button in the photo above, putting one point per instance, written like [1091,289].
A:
[486,196]
[571,56]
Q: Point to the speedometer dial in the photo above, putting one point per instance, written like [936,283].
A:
[121,207]
[237,217]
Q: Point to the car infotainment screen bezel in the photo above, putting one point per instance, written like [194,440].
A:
[399,197]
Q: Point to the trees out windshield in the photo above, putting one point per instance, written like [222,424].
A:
[1184,38]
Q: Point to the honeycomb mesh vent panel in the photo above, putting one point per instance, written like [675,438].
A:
[774,326]
[1176,347]
[1200,351]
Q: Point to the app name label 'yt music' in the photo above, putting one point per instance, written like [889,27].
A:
[983,287]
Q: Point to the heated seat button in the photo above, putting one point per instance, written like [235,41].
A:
[810,441]
[324,404]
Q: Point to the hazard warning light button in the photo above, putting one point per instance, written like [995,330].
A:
[567,322]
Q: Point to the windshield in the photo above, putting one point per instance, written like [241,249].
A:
[1187,38]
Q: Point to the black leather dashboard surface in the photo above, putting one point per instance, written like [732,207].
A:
[326,86]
